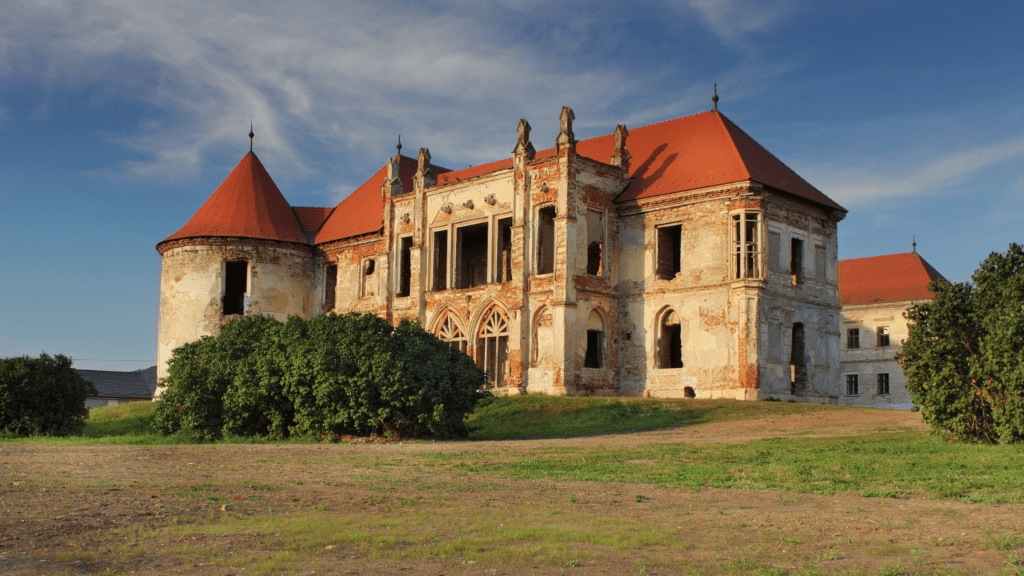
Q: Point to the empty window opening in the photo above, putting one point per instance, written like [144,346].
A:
[688,392]
[746,245]
[594,357]
[369,282]
[440,280]
[796,259]
[883,383]
[503,247]
[670,342]
[669,246]
[472,255]
[852,385]
[330,286]
[404,265]
[594,259]
[797,364]
[546,240]
[236,276]
[883,336]
[595,243]
[492,348]
[853,338]
[450,332]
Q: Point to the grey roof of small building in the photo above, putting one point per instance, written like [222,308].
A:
[137,384]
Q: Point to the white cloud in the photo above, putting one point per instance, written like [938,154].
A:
[733,20]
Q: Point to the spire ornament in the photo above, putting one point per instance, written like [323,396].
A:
[251,136]
[399,146]
[714,97]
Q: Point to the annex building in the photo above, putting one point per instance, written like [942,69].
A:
[676,259]
[876,292]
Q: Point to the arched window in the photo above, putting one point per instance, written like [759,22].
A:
[595,341]
[670,341]
[449,331]
[492,347]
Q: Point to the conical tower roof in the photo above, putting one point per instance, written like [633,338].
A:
[246,205]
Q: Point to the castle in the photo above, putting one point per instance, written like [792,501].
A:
[678,259]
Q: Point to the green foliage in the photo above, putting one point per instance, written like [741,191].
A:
[325,377]
[42,396]
[964,357]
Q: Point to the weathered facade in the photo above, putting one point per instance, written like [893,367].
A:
[876,293]
[676,259]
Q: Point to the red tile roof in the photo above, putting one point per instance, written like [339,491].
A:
[688,153]
[312,218]
[246,205]
[891,278]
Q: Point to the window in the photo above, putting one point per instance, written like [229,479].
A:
[796,260]
[330,286]
[404,266]
[471,254]
[775,252]
[853,338]
[492,348]
[450,332]
[669,246]
[883,383]
[595,341]
[852,385]
[883,336]
[546,240]
[595,243]
[670,342]
[369,282]
[236,276]
[819,263]
[440,279]
[746,245]
[797,364]
[503,248]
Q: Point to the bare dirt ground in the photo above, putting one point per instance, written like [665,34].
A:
[102,509]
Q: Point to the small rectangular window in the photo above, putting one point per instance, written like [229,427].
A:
[595,243]
[236,276]
[330,286]
[819,263]
[669,248]
[853,338]
[546,240]
[503,251]
[404,266]
[746,237]
[593,357]
[883,383]
[440,281]
[852,385]
[883,336]
[796,260]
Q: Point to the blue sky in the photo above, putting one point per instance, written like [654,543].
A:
[119,118]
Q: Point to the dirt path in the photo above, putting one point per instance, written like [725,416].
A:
[212,510]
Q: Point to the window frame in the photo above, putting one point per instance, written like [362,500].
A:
[882,336]
[746,261]
[880,379]
[854,379]
[853,338]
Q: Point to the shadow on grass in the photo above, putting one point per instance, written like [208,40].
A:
[538,416]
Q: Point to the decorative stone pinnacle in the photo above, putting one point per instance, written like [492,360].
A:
[565,135]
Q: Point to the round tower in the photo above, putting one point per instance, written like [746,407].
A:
[244,252]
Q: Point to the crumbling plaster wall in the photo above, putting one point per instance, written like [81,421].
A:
[192,276]
[869,359]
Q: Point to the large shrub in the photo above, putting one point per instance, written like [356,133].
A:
[964,356]
[42,396]
[325,377]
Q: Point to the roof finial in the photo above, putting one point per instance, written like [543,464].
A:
[251,135]
[714,97]
[914,244]
[399,145]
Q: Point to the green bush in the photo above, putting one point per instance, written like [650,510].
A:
[325,377]
[964,355]
[42,396]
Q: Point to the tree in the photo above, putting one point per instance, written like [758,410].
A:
[42,396]
[964,356]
